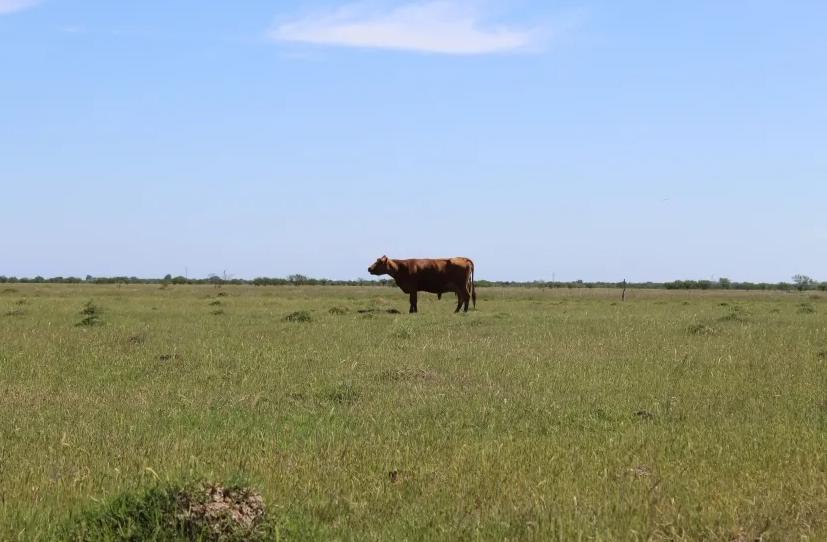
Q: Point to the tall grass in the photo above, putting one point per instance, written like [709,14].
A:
[546,414]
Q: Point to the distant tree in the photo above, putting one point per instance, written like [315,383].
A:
[802,282]
[724,283]
[297,279]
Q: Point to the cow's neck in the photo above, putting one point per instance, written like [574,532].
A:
[393,268]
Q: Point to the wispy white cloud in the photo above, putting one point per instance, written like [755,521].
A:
[10,6]
[436,26]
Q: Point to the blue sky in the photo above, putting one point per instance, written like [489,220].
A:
[595,140]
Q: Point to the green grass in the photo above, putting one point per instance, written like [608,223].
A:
[545,414]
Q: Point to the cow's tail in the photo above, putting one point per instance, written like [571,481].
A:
[473,287]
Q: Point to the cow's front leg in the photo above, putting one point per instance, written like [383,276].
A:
[413,301]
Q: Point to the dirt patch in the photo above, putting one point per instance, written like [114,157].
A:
[219,511]
[640,471]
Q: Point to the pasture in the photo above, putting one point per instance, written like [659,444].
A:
[545,414]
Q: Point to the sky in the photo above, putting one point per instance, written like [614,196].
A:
[593,140]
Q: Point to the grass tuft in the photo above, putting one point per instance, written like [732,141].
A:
[702,329]
[344,394]
[806,308]
[299,316]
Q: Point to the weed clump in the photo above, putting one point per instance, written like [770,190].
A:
[702,329]
[735,315]
[344,394]
[91,315]
[806,308]
[138,338]
[16,312]
[196,511]
[337,310]
[298,316]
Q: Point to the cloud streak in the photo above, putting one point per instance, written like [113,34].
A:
[428,26]
[10,6]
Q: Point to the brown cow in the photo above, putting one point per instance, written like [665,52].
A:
[434,276]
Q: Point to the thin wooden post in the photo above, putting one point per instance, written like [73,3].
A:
[623,295]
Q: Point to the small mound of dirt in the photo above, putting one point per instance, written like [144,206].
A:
[220,512]
[382,311]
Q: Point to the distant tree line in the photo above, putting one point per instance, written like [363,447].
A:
[799,282]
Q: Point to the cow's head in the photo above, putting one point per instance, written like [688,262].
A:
[380,266]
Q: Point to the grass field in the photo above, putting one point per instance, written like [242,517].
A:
[545,414]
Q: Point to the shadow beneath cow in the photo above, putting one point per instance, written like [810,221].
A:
[378,311]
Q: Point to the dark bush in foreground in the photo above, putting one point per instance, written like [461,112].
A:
[91,315]
[196,511]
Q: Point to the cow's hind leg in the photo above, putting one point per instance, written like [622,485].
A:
[413,302]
